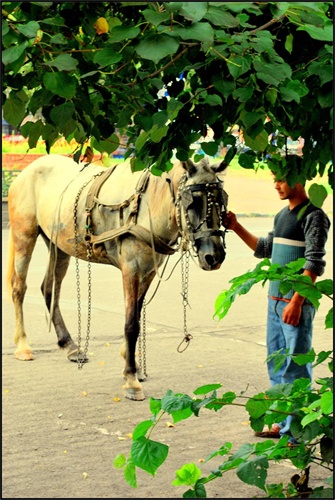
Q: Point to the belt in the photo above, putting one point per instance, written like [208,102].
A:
[279,298]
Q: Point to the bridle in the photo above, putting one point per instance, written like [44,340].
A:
[216,199]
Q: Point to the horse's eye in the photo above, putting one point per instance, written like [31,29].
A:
[197,202]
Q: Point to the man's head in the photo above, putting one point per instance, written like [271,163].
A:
[286,192]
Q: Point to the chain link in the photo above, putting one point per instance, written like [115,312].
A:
[82,355]
[142,340]
[185,262]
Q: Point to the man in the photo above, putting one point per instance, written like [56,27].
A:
[300,230]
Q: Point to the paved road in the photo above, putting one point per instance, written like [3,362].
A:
[60,423]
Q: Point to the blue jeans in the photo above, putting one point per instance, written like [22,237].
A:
[297,339]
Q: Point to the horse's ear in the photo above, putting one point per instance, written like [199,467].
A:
[189,166]
[219,166]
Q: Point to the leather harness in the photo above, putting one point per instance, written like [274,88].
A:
[130,226]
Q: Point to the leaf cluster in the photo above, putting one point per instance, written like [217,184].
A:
[90,69]
[289,277]
[312,427]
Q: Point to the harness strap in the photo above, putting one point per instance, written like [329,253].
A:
[91,199]
[135,230]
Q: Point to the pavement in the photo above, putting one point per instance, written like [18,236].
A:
[63,427]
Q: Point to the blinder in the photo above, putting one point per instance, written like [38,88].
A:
[215,196]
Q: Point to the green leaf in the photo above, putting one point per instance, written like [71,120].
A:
[327,403]
[210,148]
[63,62]
[188,475]
[310,417]
[4,27]
[40,98]
[181,414]
[317,194]
[218,16]
[13,53]
[289,43]
[205,389]
[155,406]
[130,474]
[61,114]
[157,133]
[60,84]
[257,405]
[14,109]
[120,461]
[148,455]
[175,402]
[156,47]
[155,18]
[194,11]
[271,73]
[254,471]
[247,159]
[203,32]
[106,57]
[29,30]
[258,143]
[120,33]
[59,38]
[243,94]
[213,100]
[141,140]
[324,34]
[329,321]
[141,429]
[303,359]
[271,95]
[35,133]
[238,65]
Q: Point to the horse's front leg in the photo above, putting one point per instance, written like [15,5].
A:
[134,292]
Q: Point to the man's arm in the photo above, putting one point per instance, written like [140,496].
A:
[230,222]
[292,312]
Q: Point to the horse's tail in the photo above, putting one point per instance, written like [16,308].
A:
[10,264]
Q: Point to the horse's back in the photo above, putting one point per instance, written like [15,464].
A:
[38,188]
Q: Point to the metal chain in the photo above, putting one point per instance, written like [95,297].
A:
[142,341]
[184,293]
[82,355]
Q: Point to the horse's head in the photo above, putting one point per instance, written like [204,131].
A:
[200,202]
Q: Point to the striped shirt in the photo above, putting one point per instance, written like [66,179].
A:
[300,232]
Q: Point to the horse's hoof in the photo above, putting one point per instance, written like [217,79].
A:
[73,356]
[135,394]
[25,355]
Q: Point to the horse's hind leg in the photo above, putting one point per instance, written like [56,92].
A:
[21,246]
[51,287]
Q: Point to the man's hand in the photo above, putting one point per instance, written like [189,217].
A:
[229,221]
[292,313]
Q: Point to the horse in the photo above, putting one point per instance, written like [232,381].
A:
[130,220]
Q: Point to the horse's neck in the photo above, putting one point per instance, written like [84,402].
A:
[162,208]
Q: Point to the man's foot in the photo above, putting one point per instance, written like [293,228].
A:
[272,433]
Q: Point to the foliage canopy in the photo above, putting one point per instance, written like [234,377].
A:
[89,68]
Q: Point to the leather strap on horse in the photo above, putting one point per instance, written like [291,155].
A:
[138,231]
[95,188]
[131,227]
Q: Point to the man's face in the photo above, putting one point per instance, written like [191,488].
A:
[283,189]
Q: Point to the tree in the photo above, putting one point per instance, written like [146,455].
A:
[90,68]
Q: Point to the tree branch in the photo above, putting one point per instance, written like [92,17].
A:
[266,25]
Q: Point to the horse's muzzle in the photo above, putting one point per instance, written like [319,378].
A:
[211,250]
